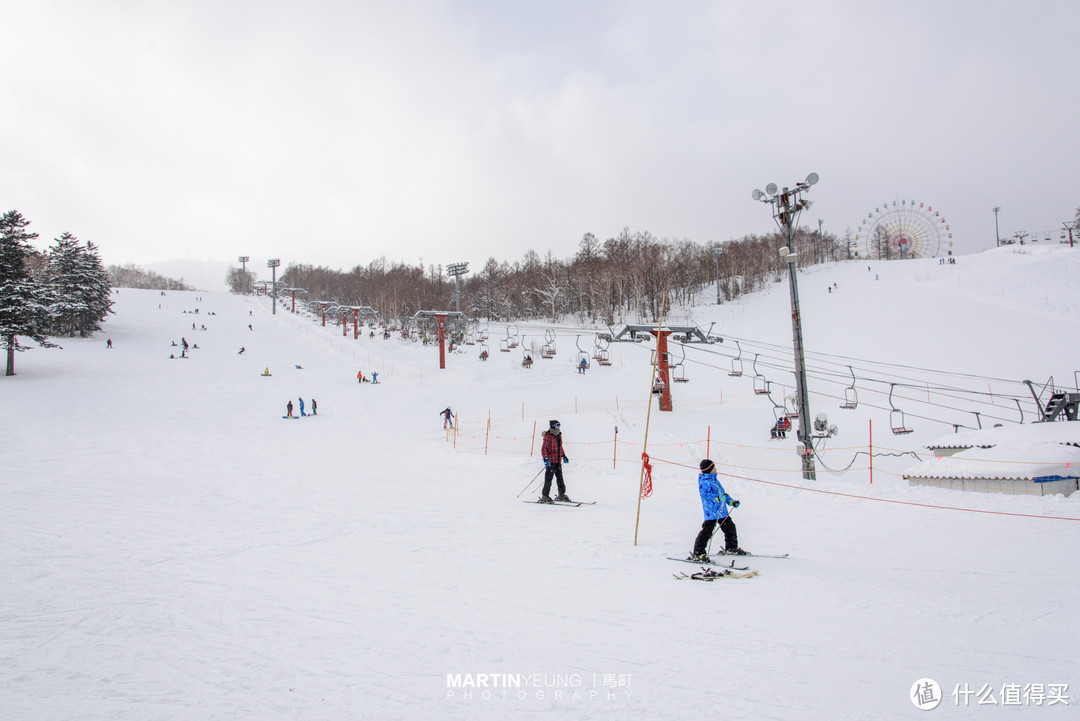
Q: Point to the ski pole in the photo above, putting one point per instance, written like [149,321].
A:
[530,483]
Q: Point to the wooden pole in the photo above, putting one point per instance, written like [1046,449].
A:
[615,448]
[648,413]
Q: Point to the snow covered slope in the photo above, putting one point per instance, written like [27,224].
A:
[173,549]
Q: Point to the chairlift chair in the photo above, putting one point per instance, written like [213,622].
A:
[761,386]
[736,363]
[896,416]
[851,396]
[582,356]
[678,371]
[548,349]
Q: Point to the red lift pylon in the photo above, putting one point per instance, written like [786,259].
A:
[685,334]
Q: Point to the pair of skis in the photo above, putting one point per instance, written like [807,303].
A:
[709,574]
[569,504]
[715,569]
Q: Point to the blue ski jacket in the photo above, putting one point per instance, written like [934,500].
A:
[714,499]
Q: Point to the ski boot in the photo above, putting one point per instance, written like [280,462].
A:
[545,499]
[563,497]
[699,558]
[735,552]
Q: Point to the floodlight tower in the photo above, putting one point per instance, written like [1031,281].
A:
[243,269]
[786,206]
[456,270]
[716,258]
[272,264]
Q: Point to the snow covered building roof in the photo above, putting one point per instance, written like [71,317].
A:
[1036,458]
[1067,433]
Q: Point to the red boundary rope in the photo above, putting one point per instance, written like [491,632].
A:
[864,498]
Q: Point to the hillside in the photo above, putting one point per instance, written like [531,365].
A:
[174,549]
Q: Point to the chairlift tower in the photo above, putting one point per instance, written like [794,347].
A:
[440,317]
[691,334]
[786,206]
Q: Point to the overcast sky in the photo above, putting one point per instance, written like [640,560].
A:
[333,133]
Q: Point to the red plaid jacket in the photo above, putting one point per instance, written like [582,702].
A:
[551,449]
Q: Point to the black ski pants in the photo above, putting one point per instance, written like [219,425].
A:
[553,471]
[731,536]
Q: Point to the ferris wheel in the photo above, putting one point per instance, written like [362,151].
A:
[904,229]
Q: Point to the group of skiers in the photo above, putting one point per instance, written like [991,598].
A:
[289,408]
[715,501]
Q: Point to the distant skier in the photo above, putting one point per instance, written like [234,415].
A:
[582,366]
[714,502]
[448,417]
[288,409]
[302,414]
[551,450]
[314,407]
[108,343]
[241,351]
[359,376]
[374,377]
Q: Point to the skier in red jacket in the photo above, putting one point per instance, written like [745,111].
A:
[551,450]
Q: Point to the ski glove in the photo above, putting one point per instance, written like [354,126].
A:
[565,459]
[734,504]
[547,463]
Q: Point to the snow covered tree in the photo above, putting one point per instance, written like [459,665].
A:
[240,280]
[23,301]
[81,297]
[98,291]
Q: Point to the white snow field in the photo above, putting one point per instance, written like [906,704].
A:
[171,548]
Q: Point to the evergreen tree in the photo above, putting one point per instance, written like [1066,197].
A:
[23,301]
[64,277]
[81,297]
[96,291]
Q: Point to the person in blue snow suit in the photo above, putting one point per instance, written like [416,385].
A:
[302,407]
[714,501]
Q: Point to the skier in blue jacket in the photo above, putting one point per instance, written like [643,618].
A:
[714,501]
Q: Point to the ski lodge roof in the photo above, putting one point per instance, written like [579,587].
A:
[1035,452]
